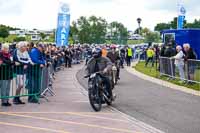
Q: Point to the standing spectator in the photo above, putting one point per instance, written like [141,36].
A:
[162,51]
[68,58]
[129,56]
[157,54]
[150,56]
[104,51]
[122,56]
[6,74]
[113,55]
[170,52]
[35,72]
[22,60]
[179,62]
[138,51]
[190,56]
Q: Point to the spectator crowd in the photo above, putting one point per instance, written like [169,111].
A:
[170,58]
[24,63]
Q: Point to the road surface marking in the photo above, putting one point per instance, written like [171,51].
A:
[138,123]
[31,127]
[80,101]
[87,113]
[71,113]
[70,122]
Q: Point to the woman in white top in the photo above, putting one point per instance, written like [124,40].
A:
[179,62]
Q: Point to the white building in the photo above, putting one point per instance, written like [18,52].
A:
[35,34]
[133,36]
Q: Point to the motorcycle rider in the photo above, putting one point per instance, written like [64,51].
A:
[122,56]
[113,55]
[99,63]
[88,55]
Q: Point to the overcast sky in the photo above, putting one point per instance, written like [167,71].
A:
[42,14]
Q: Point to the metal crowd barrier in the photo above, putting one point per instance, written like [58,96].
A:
[191,69]
[32,82]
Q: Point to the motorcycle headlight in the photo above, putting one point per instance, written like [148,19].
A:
[92,75]
[114,68]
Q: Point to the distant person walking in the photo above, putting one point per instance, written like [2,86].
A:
[129,56]
[150,57]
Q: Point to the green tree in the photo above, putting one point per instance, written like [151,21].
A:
[97,29]
[195,24]
[4,32]
[170,25]
[119,33]
[145,31]
[89,30]
[18,39]
[94,30]
[83,30]
[162,26]
[43,35]
[152,37]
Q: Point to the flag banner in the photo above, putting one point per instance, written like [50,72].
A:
[181,16]
[63,25]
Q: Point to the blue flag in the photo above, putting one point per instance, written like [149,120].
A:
[63,26]
[181,16]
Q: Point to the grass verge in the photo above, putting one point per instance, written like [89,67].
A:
[151,71]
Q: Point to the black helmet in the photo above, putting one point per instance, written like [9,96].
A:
[97,52]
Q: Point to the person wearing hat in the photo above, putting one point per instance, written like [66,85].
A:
[34,73]
[113,55]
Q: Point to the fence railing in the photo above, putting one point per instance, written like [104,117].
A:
[30,81]
[185,70]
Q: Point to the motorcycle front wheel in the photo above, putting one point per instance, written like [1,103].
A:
[95,99]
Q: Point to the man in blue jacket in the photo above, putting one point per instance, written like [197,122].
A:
[35,72]
[36,55]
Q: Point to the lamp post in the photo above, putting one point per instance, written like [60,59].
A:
[139,20]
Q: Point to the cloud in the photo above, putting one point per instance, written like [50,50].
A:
[42,14]
[11,7]
[171,5]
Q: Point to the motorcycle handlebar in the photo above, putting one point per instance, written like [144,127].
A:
[87,76]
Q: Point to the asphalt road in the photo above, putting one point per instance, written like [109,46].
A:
[163,108]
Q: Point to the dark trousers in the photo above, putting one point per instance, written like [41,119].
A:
[68,62]
[107,82]
[148,60]
[128,61]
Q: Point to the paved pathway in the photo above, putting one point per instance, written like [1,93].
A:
[67,112]
[169,110]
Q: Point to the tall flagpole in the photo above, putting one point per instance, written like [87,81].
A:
[181,15]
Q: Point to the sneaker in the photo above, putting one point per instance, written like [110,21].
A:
[17,101]
[6,104]
[33,101]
